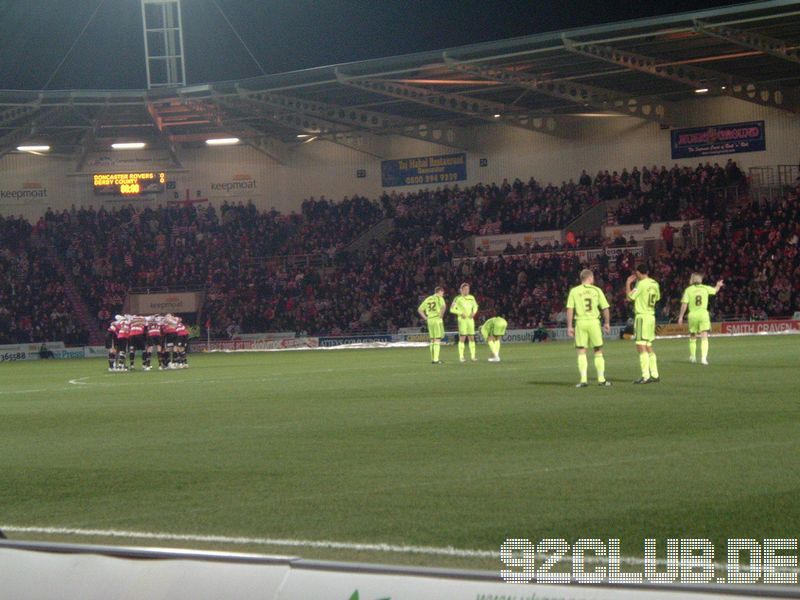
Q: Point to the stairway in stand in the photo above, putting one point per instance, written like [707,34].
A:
[79,306]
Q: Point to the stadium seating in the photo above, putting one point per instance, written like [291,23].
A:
[231,252]
[33,307]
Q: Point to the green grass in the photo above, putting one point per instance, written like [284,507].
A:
[381,446]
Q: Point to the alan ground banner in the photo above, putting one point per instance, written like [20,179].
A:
[445,168]
[718,139]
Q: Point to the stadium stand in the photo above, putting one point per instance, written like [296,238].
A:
[241,255]
[33,307]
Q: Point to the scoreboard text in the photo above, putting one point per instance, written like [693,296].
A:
[129,184]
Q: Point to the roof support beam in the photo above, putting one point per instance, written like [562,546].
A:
[748,39]
[308,124]
[158,122]
[26,131]
[690,75]
[486,110]
[18,112]
[598,98]
[374,121]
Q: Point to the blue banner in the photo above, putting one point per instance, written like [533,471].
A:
[718,139]
[424,170]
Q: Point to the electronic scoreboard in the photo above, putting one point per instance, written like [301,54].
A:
[129,184]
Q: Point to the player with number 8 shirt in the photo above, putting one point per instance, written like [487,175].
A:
[695,299]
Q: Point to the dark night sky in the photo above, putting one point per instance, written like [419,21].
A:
[283,34]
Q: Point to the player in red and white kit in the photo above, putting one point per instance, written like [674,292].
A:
[136,339]
[168,331]
[181,344]
[122,346]
[153,340]
[111,343]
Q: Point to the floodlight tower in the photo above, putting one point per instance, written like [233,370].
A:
[163,43]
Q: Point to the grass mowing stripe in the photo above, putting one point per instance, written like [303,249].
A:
[383,448]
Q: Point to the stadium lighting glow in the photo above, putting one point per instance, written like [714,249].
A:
[222,141]
[497,116]
[701,91]
[128,145]
[303,136]
[33,148]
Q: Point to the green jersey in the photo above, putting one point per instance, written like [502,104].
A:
[464,305]
[645,295]
[696,297]
[496,327]
[586,301]
[433,306]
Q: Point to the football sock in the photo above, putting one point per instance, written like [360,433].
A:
[644,363]
[704,349]
[600,367]
[494,346]
[146,358]
[461,350]
[653,364]
[693,347]
[110,360]
[436,348]
[133,356]
[472,349]
[433,354]
[583,366]
[121,358]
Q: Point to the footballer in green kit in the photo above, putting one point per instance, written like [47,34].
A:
[465,306]
[695,299]
[493,331]
[584,304]
[432,312]
[644,297]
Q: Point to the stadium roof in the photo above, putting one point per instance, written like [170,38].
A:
[640,68]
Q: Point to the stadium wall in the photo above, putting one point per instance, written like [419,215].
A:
[29,184]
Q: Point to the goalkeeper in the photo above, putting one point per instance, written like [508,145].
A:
[493,331]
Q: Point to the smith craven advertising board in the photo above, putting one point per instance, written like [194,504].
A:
[718,139]
[423,170]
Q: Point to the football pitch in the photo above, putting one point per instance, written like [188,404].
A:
[378,455]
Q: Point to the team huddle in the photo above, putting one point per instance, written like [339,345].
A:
[585,304]
[164,335]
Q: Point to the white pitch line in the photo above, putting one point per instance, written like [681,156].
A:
[23,391]
[79,381]
[145,535]
[328,544]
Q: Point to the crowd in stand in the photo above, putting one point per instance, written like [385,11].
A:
[33,306]
[676,194]
[231,251]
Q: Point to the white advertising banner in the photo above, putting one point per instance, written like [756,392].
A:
[495,244]
[654,232]
[151,304]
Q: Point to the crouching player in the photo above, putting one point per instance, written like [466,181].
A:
[493,331]
[584,303]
